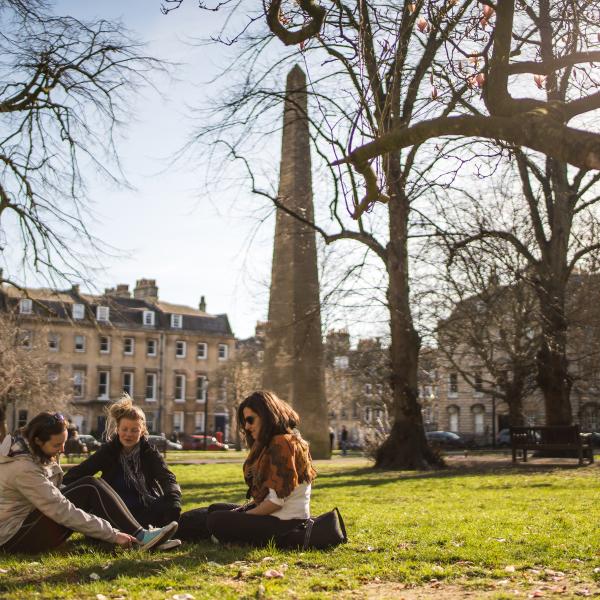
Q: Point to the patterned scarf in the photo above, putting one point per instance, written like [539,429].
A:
[19,446]
[134,477]
[282,466]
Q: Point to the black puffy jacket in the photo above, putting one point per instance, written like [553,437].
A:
[159,479]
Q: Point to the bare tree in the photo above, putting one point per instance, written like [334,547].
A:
[392,82]
[414,72]
[506,41]
[488,329]
[26,378]
[64,89]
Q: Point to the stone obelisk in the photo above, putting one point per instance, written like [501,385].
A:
[293,359]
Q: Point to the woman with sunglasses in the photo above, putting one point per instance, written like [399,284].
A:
[133,468]
[37,514]
[278,472]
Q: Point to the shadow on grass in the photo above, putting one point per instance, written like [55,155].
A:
[128,564]
[369,476]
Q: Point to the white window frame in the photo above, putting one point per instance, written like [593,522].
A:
[202,355]
[103,314]
[78,383]
[148,318]
[108,342]
[453,419]
[53,337]
[26,339]
[225,353]
[176,321]
[199,422]
[53,373]
[341,362]
[201,388]
[131,376]
[479,422]
[155,343]
[106,385]
[25,306]
[477,382]
[452,393]
[78,311]
[178,421]
[151,417]
[82,349]
[132,349]
[150,377]
[183,348]
[180,381]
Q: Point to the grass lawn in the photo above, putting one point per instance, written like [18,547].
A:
[484,529]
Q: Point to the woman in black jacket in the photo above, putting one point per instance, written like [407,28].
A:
[133,468]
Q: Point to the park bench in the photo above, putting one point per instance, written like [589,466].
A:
[551,438]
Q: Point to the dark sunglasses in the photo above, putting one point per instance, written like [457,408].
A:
[249,420]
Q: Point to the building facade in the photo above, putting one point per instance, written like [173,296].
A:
[162,354]
[488,349]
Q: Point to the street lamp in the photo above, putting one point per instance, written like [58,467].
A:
[205,391]
[493,420]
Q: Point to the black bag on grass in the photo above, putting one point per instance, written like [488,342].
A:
[324,531]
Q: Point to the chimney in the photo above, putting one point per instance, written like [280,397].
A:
[202,305]
[146,289]
[75,288]
[121,291]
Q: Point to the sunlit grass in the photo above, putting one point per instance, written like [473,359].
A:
[497,532]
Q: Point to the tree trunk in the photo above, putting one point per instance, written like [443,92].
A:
[3,424]
[514,399]
[406,447]
[552,363]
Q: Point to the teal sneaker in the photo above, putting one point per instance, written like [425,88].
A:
[154,537]
[169,545]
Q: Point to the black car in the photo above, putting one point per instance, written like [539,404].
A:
[162,444]
[90,442]
[445,439]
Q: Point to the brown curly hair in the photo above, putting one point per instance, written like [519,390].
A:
[276,417]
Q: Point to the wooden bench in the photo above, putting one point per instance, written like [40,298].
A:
[567,437]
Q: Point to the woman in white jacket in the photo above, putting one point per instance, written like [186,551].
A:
[37,515]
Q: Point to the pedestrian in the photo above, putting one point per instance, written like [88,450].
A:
[37,514]
[331,439]
[344,440]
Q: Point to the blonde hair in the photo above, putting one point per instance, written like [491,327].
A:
[123,409]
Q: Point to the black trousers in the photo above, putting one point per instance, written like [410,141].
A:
[40,533]
[159,512]
[228,524]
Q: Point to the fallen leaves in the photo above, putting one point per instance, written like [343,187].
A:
[273,574]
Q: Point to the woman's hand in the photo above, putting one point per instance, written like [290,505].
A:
[125,540]
[266,507]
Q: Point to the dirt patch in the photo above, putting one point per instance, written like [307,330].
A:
[497,589]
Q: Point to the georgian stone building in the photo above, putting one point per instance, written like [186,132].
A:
[162,354]
[486,343]
[358,393]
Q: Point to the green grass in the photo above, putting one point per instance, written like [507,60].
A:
[447,533]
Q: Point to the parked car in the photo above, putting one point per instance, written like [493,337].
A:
[503,437]
[196,442]
[90,441]
[162,444]
[445,439]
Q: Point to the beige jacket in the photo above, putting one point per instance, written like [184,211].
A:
[26,484]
